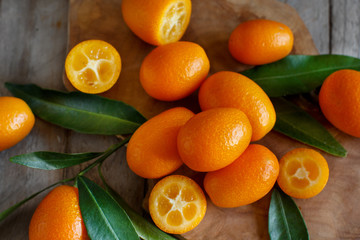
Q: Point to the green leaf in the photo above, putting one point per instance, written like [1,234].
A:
[144,229]
[298,73]
[295,123]
[285,219]
[103,217]
[53,160]
[85,113]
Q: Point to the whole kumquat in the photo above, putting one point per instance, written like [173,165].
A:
[230,89]
[58,217]
[16,121]
[214,138]
[246,180]
[152,150]
[260,41]
[174,71]
[339,100]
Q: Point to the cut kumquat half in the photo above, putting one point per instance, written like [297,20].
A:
[175,21]
[177,204]
[303,173]
[93,66]
[157,22]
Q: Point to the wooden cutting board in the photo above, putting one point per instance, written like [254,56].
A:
[333,214]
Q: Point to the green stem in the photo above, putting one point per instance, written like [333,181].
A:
[107,153]
[100,160]
[11,209]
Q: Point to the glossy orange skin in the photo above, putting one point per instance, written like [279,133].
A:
[246,180]
[145,18]
[152,150]
[58,217]
[174,71]
[16,121]
[214,138]
[292,179]
[260,41]
[230,89]
[339,100]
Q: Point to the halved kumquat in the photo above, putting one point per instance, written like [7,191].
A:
[177,204]
[93,66]
[303,173]
[157,22]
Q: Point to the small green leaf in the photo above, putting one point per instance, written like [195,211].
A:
[298,124]
[285,219]
[53,160]
[103,217]
[85,113]
[144,229]
[298,73]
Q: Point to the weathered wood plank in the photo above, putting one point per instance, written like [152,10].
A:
[345,33]
[315,15]
[32,46]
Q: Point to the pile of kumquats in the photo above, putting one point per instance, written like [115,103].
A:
[218,140]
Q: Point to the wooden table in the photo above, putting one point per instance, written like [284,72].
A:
[33,40]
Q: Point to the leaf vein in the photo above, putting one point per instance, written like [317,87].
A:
[282,209]
[304,73]
[306,134]
[100,210]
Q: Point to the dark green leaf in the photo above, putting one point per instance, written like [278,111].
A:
[285,219]
[78,111]
[298,73]
[144,229]
[298,124]
[53,160]
[103,217]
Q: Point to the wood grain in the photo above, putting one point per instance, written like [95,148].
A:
[33,40]
[345,33]
[316,16]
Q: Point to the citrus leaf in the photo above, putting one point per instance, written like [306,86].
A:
[103,217]
[144,229]
[298,73]
[81,112]
[285,219]
[295,123]
[53,160]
